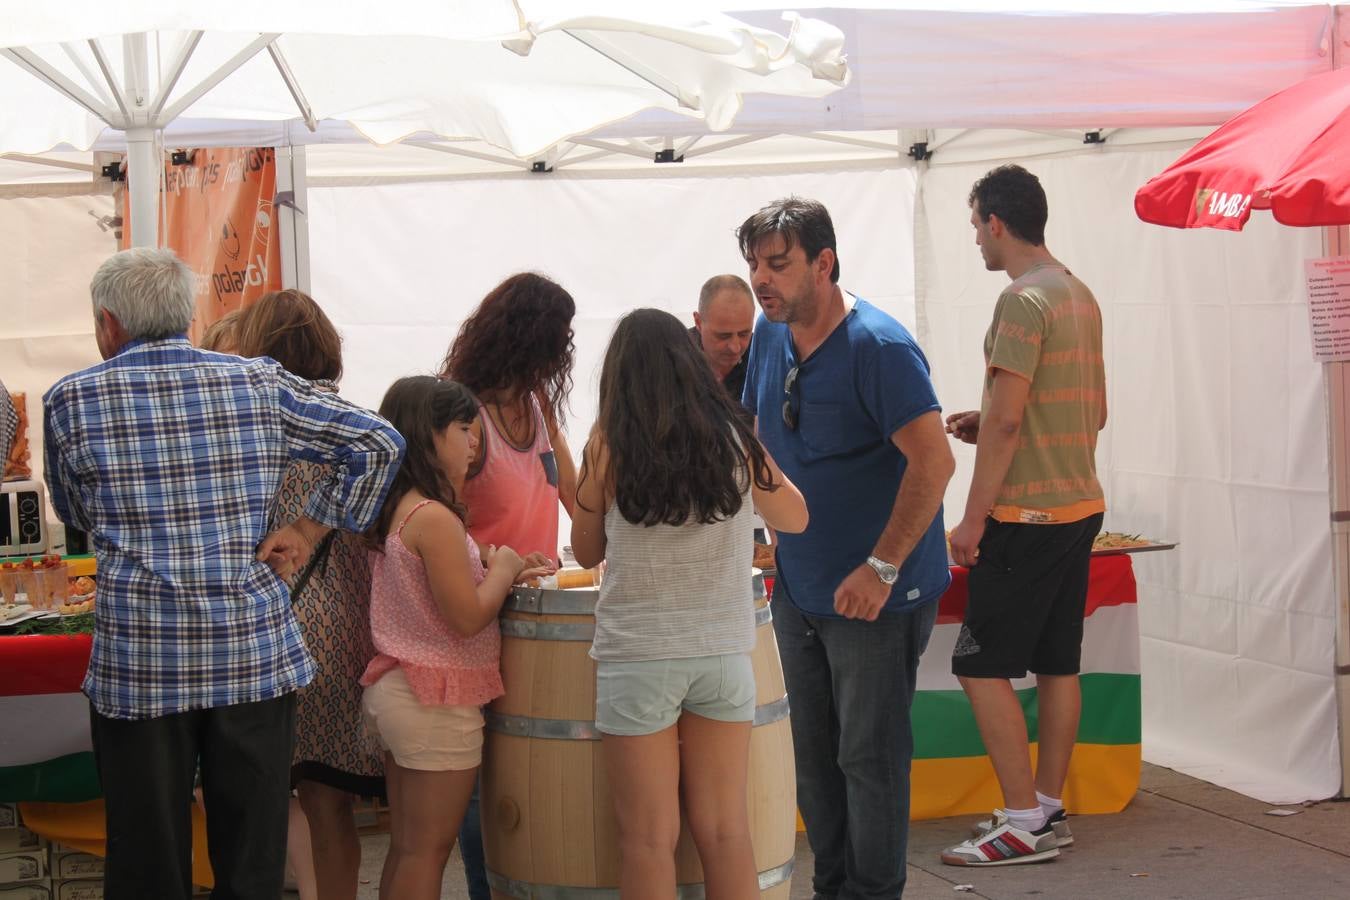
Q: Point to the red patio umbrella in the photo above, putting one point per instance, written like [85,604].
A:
[1290,154]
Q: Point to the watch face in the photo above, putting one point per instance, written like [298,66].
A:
[885,571]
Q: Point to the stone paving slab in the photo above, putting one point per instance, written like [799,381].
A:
[1181,838]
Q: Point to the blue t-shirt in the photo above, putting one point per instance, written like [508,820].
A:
[868,380]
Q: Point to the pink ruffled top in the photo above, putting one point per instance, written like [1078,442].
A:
[442,668]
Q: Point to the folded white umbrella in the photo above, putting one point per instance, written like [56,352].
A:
[519,75]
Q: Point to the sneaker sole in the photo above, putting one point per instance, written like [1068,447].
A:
[1043,856]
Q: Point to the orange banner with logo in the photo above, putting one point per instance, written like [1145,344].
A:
[219,218]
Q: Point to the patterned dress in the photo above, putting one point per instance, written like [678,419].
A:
[333,610]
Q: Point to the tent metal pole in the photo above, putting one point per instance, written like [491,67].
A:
[641,70]
[293,86]
[174,73]
[38,68]
[102,59]
[143,173]
[253,48]
[1336,377]
[145,165]
[291,217]
[87,168]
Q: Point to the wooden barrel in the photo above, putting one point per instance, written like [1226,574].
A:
[548,822]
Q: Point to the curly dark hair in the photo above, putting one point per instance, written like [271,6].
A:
[418,407]
[1017,198]
[518,341]
[798,221]
[677,441]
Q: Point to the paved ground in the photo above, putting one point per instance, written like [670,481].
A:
[1180,838]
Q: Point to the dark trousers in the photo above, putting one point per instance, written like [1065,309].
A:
[147,767]
[851,685]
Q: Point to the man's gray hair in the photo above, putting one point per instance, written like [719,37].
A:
[719,283]
[151,292]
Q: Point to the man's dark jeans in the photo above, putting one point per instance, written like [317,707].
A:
[851,684]
[146,767]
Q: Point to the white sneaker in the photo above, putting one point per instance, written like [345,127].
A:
[1005,845]
[1059,821]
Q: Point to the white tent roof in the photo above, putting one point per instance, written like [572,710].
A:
[518,74]
[920,72]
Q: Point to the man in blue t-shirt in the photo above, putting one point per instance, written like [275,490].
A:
[843,401]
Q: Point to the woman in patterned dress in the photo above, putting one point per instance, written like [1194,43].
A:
[333,761]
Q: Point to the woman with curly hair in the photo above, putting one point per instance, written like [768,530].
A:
[331,761]
[515,353]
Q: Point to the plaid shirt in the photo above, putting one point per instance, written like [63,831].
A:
[172,459]
[9,425]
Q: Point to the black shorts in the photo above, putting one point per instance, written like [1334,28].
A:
[1026,599]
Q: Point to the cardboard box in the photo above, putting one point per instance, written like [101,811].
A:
[23,866]
[76,865]
[20,838]
[78,889]
[9,815]
[35,890]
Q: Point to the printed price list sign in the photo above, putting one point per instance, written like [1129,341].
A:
[1329,307]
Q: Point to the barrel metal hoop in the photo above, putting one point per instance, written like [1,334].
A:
[548,729]
[771,712]
[579,730]
[528,630]
[551,602]
[523,889]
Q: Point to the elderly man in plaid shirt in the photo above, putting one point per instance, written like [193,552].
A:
[171,458]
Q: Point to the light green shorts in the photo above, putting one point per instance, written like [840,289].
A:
[635,698]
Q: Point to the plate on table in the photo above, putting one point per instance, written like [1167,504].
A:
[22,612]
[1111,542]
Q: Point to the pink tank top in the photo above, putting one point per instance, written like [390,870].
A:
[442,668]
[513,498]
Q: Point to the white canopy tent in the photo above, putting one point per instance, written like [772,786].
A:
[1219,428]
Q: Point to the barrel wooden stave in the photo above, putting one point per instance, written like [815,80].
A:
[547,811]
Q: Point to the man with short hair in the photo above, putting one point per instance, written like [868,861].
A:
[1034,507]
[843,402]
[722,328]
[172,458]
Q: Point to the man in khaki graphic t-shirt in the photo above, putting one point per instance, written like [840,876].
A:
[1034,507]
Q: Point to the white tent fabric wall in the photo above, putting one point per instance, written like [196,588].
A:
[398,267]
[1216,438]
[53,243]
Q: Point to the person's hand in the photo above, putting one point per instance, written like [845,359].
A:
[964,426]
[540,561]
[965,541]
[861,595]
[286,549]
[537,565]
[504,558]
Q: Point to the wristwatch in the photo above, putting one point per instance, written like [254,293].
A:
[888,573]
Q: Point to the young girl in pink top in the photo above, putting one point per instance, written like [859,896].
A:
[433,615]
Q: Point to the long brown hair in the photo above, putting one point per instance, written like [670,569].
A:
[419,407]
[678,444]
[518,341]
[291,328]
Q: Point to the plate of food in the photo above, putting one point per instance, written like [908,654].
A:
[14,613]
[1109,542]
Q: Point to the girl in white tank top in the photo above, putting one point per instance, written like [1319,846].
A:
[664,498]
